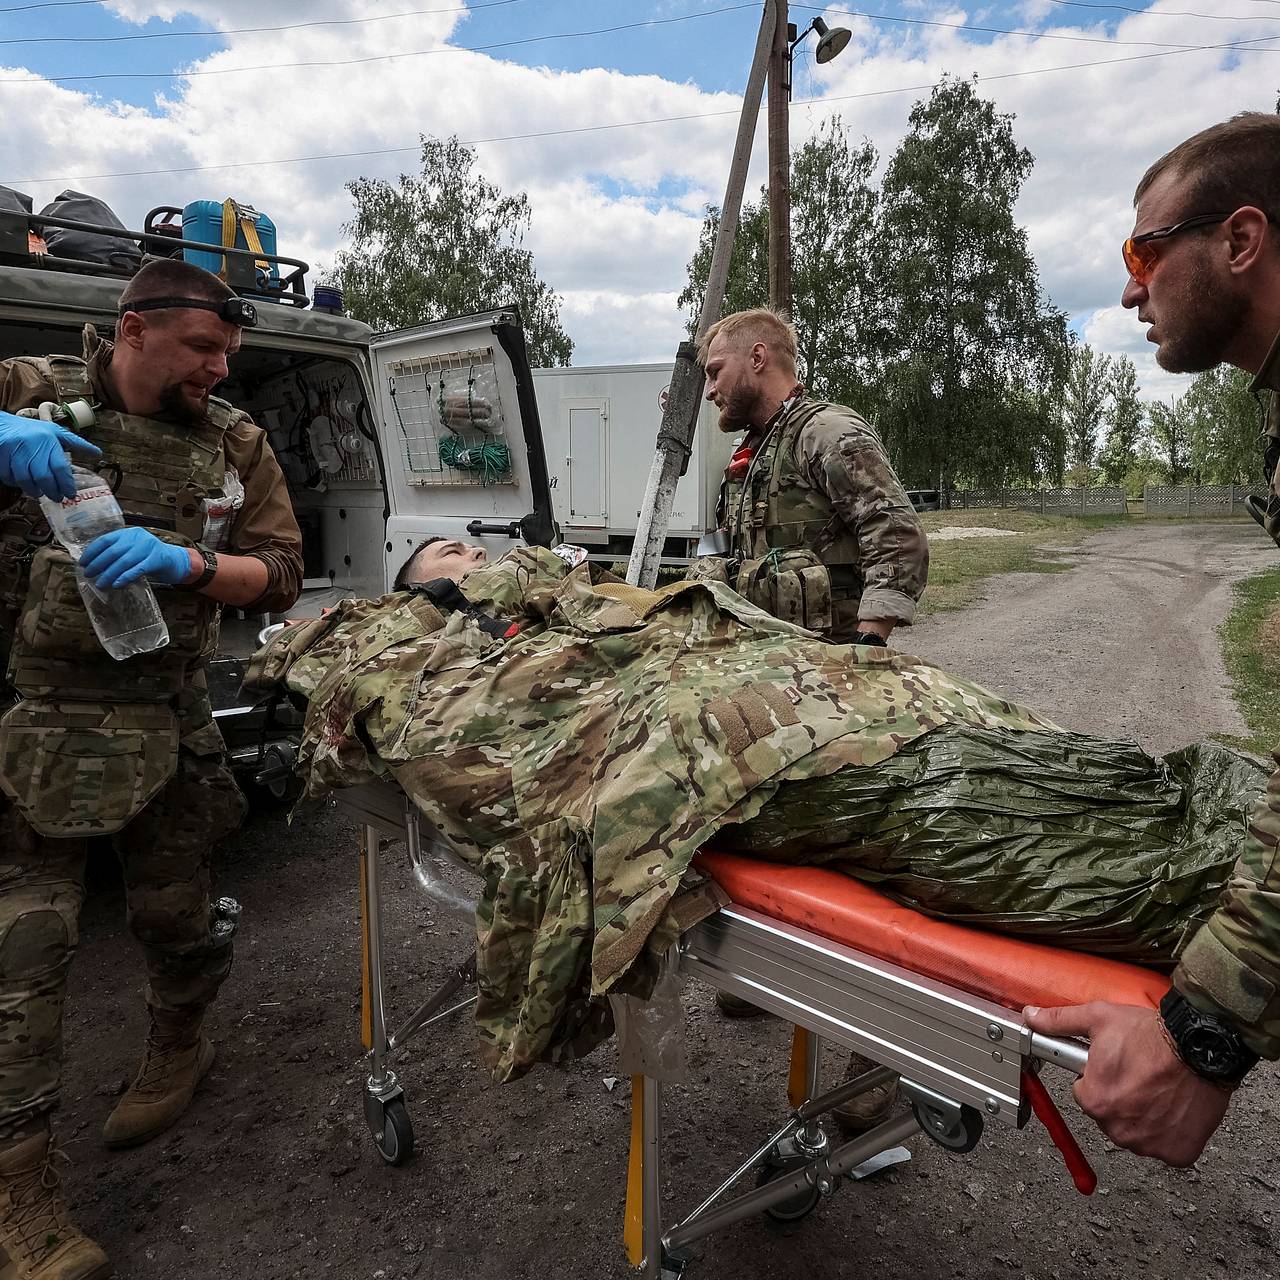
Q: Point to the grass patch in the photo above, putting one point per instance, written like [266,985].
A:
[957,568]
[1251,652]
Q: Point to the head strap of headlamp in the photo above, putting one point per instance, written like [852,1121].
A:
[237,311]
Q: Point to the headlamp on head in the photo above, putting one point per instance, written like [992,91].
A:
[237,311]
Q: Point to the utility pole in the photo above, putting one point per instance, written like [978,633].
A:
[680,417]
[780,161]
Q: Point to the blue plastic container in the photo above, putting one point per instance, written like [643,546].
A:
[202,220]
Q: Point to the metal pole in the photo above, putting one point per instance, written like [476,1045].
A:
[780,161]
[680,417]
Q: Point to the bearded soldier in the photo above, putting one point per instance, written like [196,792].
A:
[818,529]
[93,746]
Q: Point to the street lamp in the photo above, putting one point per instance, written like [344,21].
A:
[831,41]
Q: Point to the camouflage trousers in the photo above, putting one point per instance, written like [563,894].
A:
[164,853]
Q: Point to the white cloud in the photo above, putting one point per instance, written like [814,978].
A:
[616,212]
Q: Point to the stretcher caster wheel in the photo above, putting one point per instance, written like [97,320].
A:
[795,1207]
[395,1140]
[957,1129]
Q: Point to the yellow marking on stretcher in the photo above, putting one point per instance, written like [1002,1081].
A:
[798,1076]
[633,1221]
[366,977]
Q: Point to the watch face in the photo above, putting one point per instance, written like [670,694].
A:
[1210,1052]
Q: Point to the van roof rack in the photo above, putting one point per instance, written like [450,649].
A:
[241,264]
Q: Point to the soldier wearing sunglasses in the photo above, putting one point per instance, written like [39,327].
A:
[1204,274]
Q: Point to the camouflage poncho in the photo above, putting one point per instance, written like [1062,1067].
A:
[582,762]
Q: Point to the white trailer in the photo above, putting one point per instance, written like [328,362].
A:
[600,426]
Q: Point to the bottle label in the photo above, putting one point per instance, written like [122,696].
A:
[87,495]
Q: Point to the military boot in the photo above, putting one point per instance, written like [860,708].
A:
[41,1241]
[868,1109]
[176,1059]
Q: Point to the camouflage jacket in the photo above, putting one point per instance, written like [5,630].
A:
[579,764]
[820,530]
[1232,966]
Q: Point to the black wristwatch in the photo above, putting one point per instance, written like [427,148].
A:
[210,568]
[870,637]
[1212,1048]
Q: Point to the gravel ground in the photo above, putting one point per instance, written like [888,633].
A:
[272,1174]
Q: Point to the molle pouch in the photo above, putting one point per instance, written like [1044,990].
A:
[54,622]
[79,769]
[792,585]
[192,620]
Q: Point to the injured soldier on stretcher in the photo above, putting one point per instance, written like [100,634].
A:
[577,740]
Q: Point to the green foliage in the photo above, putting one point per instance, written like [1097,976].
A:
[1126,421]
[1251,652]
[974,355]
[1170,431]
[445,243]
[1084,401]
[833,206]
[1224,426]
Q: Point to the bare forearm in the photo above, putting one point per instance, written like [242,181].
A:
[240,580]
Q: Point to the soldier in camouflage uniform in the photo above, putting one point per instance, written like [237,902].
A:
[92,746]
[819,529]
[1204,267]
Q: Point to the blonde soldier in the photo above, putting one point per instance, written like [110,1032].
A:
[818,528]
[91,746]
[1204,274]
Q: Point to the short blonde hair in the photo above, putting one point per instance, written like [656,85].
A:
[746,328]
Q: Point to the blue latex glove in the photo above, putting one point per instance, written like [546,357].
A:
[32,458]
[124,555]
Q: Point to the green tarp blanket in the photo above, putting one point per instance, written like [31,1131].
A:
[580,763]
[1060,838]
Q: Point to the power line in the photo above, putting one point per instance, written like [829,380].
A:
[240,31]
[1242,45]
[1004,31]
[380,57]
[1165,13]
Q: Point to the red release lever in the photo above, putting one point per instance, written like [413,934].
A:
[1046,1110]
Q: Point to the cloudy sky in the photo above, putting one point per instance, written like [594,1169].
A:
[620,137]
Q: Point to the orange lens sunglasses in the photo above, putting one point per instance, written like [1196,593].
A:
[1141,253]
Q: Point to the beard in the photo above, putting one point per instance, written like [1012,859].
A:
[1203,321]
[739,409]
[175,401]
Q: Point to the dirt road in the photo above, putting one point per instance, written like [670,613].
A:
[273,1176]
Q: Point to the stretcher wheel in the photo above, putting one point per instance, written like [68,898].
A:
[395,1142]
[956,1131]
[798,1206]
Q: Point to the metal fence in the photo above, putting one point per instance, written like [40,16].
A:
[1198,499]
[1101,500]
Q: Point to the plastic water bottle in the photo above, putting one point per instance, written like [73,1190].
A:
[127,619]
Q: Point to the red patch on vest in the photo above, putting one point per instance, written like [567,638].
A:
[740,461]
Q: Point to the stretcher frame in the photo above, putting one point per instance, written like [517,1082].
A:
[963,1060]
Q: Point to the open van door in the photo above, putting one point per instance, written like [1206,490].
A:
[461,441]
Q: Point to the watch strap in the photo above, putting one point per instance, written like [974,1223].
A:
[210,568]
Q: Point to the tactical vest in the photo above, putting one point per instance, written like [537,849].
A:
[94,739]
[789,552]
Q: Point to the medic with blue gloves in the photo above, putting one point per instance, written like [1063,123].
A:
[91,746]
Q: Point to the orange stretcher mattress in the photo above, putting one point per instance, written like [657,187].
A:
[1007,971]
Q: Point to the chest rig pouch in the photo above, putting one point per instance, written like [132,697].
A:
[93,739]
[789,552]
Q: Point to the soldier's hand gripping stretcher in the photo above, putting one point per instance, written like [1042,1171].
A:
[582,761]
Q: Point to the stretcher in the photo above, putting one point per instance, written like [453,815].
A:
[936,1003]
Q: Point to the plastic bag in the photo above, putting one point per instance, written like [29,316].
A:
[220,511]
[651,1032]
